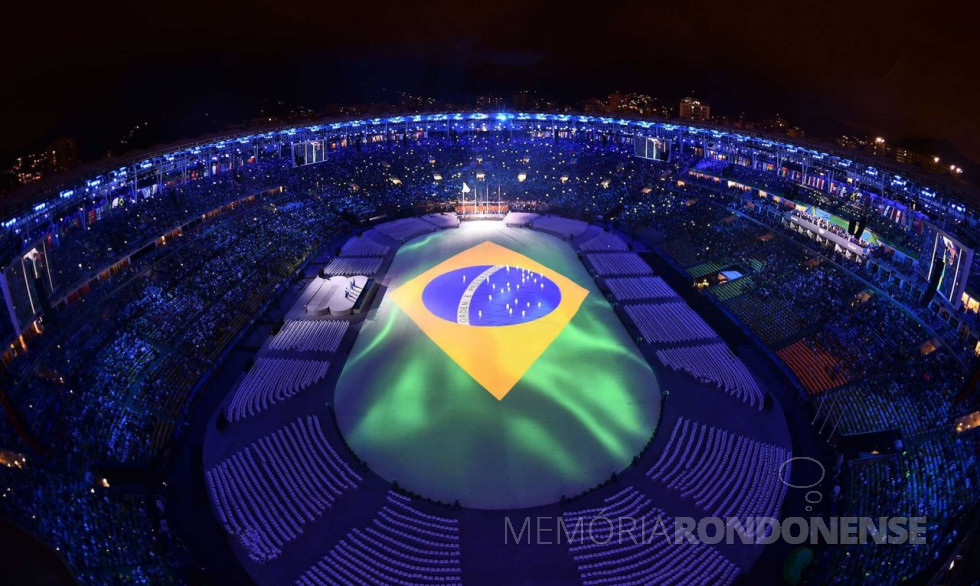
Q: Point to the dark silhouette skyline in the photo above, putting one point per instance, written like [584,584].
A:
[93,71]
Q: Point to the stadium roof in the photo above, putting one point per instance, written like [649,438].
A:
[22,198]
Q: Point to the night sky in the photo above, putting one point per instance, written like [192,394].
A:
[94,69]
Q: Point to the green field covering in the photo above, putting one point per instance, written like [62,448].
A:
[581,412]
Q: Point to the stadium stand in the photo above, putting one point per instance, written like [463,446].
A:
[310,335]
[145,317]
[402,545]
[559,226]
[353,266]
[268,491]
[639,288]
[363,246]
[604,242]
[602,557]
[666,323]
[725,474]
[271,381]
[618,263]
[405,229]
[716,364]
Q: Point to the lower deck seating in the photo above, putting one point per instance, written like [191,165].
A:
[682,251]
[732,289]
[604,242]
[403,545]
[637,288]
[871,405]
[703,269]
[405,229]
[618,263]
[726,474]
[520,218]
[648,552]
[936,479]
[310,335]
[349,266]
[773,321]
[817,369]
[363,246]
[267,492]
[271,381]
[445,220]
[669,322]
[715,363]
[561,227]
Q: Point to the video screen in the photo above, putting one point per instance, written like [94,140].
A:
[942,252]
[307,153]
[653,148]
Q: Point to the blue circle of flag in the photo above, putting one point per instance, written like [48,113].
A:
[491,295]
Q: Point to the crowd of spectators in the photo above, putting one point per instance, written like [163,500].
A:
[113,381]
[113,377]
[935,479]
[885,362]
[827,225]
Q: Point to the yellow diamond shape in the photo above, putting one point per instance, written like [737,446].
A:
[495,356]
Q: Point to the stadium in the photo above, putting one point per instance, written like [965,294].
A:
[489,348]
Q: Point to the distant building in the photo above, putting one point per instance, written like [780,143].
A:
[529,101]
[489,103]
[523,101]
[595,106]
[58,157]
[743,122]
[780,125]
[65,152]
[695,110]
[903,155]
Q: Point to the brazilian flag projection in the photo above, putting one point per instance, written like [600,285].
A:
[495,373]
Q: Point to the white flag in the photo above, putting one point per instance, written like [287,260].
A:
[466,188]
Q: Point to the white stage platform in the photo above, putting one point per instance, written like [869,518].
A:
[335,296]
[559,226]
[444,220]
[520,218]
